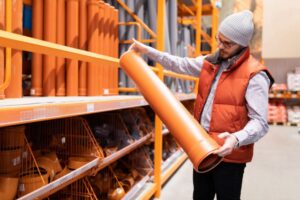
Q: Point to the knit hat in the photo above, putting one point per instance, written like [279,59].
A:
[238,27]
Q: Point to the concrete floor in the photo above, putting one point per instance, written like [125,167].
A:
[273,174]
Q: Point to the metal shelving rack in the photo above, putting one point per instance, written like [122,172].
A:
[191,14]
[34,109]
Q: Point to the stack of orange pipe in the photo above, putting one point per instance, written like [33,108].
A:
[37,32]
[2,63]
[14,90]
[72,41]
[85,24]
[108,36]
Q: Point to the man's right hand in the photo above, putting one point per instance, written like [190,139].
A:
[138,47]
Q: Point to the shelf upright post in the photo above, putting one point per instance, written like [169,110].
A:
[161,8]
[214,26]
[198,28]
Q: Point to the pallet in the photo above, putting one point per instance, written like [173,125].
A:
[284,124]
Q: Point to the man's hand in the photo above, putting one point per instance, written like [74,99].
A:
[138,47]
[229,144]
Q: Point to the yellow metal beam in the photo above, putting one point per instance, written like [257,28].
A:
[128,89]
[161,9]
[214,26]
[25,43]
[181,76]
[138,25]
[206,37]
[206,10]
[198,28]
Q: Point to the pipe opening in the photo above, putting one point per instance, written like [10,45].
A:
[210,162]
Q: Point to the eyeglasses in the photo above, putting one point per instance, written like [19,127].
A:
[225,44]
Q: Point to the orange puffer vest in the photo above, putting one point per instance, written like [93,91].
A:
[229,111]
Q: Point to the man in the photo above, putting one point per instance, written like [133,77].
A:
[231,104]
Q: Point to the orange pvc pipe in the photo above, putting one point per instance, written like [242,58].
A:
[72,41]
[116,53]
[82,45]
[101,46]
[49,69]
[2,60]
[14,90]
[93,45]
[61,62]
[198,145]
[111,49]
[37,59]
[107,45]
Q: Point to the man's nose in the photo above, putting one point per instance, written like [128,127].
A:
[220,45]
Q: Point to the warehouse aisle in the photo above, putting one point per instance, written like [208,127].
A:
[273,174]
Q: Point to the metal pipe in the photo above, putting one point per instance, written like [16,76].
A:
[14,90]
[37,59]
[61,62]
[173,26]
[72,41]
[134,16]
[49,61]
[198,145]
[82,45]
[93,42]
[2,54]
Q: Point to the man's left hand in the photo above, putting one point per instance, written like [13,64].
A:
[230,142]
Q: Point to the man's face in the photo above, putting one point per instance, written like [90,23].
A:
[227,47]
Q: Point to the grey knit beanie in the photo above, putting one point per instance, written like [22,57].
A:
[238,27]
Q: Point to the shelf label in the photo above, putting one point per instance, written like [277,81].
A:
[90,107]
[106,91]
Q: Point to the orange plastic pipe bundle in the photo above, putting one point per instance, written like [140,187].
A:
[49,69]
[60,62]
[93,45]
[198,145]
[37,59]
[72,41]
[82,45]
[14,90]
[116,52]
[2,63]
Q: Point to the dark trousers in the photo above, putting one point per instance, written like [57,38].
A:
[225,181]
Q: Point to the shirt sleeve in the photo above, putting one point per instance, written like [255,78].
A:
[257,104]
[185,65]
